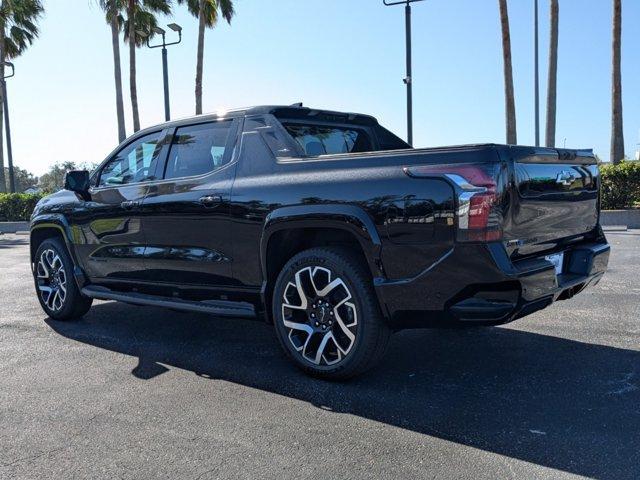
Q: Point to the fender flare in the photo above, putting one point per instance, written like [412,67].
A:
[350,218]
[59,222]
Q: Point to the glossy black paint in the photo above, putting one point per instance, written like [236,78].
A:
[224,235]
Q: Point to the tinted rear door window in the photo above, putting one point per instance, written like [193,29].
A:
[329,140]
[198,149]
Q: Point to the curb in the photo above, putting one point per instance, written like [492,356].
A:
[14,227]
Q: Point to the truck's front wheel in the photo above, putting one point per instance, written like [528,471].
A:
[326,314]
[57,291]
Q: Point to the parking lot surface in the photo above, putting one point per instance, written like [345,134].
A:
[137,392]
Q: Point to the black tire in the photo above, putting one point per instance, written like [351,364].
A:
[370,330]
[74,305]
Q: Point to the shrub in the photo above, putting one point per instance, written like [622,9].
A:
[620,185]
[16,207]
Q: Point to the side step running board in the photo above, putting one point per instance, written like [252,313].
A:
[220,308]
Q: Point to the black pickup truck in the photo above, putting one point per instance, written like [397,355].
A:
[325,224]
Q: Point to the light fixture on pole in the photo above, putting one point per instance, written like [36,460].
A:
[407,80]
[165,67]
[7,126]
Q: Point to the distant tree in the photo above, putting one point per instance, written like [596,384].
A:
[18,30]
[53,180]
[23,179]
[617,134]
[140,18]
[509,97]
[552,81]
[207,12]
[112,10]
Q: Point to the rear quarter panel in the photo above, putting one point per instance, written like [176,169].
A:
[412,217]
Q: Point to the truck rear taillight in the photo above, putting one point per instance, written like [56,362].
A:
[478,215]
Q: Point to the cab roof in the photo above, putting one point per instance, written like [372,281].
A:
[283,111]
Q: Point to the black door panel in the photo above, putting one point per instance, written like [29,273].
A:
[113,237]
[186,219]
[110,221]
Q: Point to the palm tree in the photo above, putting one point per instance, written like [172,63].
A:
[552,80]
[112,9]
[18,30]
[207,12]
[617,135]
[138,28]
[509,100]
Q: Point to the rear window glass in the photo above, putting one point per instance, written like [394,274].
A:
[329,140]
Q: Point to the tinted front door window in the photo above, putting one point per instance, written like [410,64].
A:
[134,163]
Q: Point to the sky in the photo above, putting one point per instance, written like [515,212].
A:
[343,55]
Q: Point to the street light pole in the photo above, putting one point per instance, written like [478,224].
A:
[165,63]
[536,72]
[165,81]
[12,179]
[408,80]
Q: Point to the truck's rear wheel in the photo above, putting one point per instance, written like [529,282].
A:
[326,314]
[57,291]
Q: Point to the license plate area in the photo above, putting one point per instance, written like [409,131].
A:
[557,259]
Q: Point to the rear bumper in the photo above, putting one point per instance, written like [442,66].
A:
[480,284]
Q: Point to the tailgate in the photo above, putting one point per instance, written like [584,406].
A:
[554,199]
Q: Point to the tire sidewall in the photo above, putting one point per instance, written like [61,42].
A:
[317,258]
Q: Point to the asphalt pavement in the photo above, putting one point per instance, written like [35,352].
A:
[140,392]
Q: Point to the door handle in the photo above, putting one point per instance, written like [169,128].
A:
[210,200]
[129,204]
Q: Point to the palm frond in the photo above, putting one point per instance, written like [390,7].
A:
[212,10]
[157,6]
[144,22]
[19,18]
[227,10]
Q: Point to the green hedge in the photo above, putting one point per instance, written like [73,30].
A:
[16,207]
[620,185]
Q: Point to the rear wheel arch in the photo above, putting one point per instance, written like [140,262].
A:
[292,237]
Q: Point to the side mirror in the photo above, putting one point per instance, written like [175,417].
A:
[78,181]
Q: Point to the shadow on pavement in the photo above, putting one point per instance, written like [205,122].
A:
[554,402]
[13,241]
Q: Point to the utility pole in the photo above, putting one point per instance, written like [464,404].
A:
[12,177]
[408,80]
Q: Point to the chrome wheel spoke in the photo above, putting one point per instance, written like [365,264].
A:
[321,347]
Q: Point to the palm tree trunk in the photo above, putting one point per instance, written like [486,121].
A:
[617,135]
[117,72]
[3,180]
[552,80]
[509,99]
[132,65]
[200,59]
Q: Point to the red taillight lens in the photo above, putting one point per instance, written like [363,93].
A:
[479,209]
[478,213]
